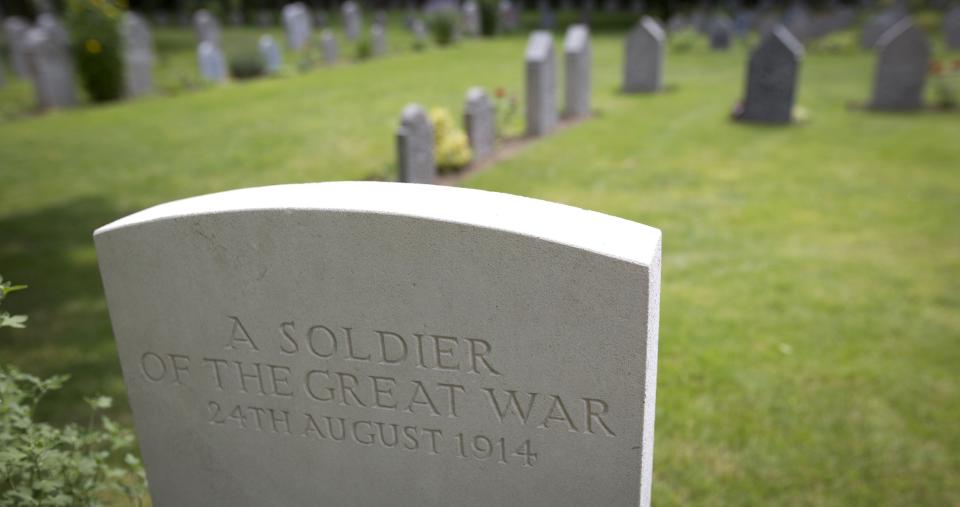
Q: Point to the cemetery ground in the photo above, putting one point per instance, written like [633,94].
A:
[810,336]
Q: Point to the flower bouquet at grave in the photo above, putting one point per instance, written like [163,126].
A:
[451,143]
[506,106]
[946,82]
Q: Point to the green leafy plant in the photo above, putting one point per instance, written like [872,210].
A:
[42,465]
[946,83]
[443,27]
[96,46]
[247,66]
[363,50]
[488,17]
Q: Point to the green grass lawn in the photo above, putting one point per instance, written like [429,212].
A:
[810,335]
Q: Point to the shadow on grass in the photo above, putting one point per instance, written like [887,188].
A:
[51,250]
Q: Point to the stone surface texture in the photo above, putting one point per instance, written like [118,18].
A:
[577,68]
[480,123]
[378,344]
[643,56]
[772,75]
[541,83]
[903,56]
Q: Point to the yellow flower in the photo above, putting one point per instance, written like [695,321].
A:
[93,46]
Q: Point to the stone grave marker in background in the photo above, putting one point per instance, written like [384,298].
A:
[507,16]
[378,39]
[772,78]
[721,33]
[206,27]
[15,31]
[480,123]
[270,53]
[213,65]
[298,25]
[798,20]
[471,18]
[951,28]
[50,68]
[329,43]
[419,30]
[878,24]
[415,146]
[576,48]
[548,18]
[138,56]
[901,69]
[643,55]
[352,20]
[541,110]
[678,23]
[401,345]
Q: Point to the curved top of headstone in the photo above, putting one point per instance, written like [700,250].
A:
[902,32]
[576,38]
[15,24]
[477,95]
[202,16]
[37,38]
[649,26]
[266,40]
[781,38]
[557,223]
[136,32]
[540,45]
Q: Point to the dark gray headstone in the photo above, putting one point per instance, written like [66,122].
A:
[213,66]
[772,78]
[270,54]
[576,48]
[479,120]
[951,28]
[540,84]
[15,31]
[138,57]
[901,71]
[50,68]
[877,25]
[643,56]
[721,32]
[415,146]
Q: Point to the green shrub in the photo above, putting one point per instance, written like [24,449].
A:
[488,18]
[247,66]
[443,27]
[43,465]
[364,49]
[96,46]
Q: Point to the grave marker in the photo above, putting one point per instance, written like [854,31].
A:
[415,146]
[901,70]
[138,57]
[479,120]
[540,84]
[576,47]
[206,27]
[15,30]
[410,345]
[772,78]
[50,68]
[213,66]
[643,55]
[270,54]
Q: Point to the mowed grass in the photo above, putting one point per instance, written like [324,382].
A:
[810,335]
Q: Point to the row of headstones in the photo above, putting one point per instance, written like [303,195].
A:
[41,54]
[881,23]
[415,137]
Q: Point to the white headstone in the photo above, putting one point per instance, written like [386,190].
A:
[378,40]
[50,68]
[138,57]
[471,18]
[480,123]
[213,65]
[329,43]
[15,31]
[382,344]
[270,53]
[540,84]
[643,56]
[901,70]
[298,25]
[415,146]
[576,48]
[206,27]
[352,19]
